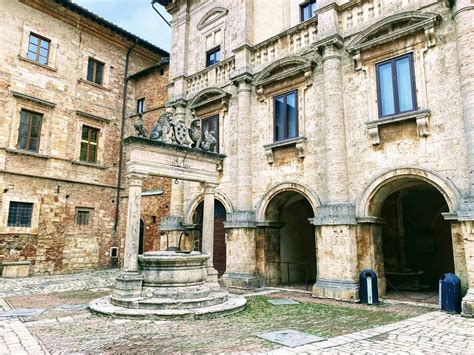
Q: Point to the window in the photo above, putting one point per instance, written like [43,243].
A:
[95,71]
[83,216]
[308,10]
[29,132]
[89,144]
[210,126]
[141,105]
[396,86]
[285,116]
[19,214]
[213,56]
[38,49]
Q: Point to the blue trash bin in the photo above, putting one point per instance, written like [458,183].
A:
[450,293]
[369,293]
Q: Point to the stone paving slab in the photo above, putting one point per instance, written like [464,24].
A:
[290,337]
[436,332]
[281,301]
[22,312]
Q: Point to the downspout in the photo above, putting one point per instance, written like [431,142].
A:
[122,133]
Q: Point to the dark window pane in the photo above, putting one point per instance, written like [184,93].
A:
[92,155]
[387,100]
[83,155]
[100,69]
[292,115]
[93,135]
[404,85]
[34,133]
[82,218]
[85,133]
[33,146]
[19,214]
[279,118]
[213,56]
[90,70]
[22,142]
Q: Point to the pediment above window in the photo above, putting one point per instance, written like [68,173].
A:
[212,16]
[209,96]
[392,28]
[284,69]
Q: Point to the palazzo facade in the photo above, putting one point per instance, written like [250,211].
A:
[348,131]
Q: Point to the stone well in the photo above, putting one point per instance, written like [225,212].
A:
[171,285]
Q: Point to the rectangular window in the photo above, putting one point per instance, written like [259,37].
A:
[396,90]
[29,131]
[95,71]
[89,139]
[83,217]
[285,116]
[308,10]
[141,105]
[38,49]
[213,56]
[19,214]
[210,128]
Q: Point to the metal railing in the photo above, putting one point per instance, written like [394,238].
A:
[288,263]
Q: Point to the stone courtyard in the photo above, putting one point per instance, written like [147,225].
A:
[56,320]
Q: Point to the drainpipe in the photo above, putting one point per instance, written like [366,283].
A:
[122,133]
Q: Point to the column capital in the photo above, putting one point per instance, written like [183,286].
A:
[242,79]
[209,188]
[331,47]
[135,179]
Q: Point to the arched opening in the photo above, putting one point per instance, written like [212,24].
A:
[141,242]
[219,253]
[287,241]
[416,239]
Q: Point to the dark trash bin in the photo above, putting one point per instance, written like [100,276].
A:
[369,293]
[450,293]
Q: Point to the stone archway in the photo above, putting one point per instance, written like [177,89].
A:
[286,250]
[408,232]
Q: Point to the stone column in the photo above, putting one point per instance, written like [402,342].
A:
[336,224]
[129,282]
[132,236]
[208,230]
[463,15]
[240,225]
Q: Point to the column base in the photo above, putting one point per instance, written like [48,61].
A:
[232,279]
[344,290]
[128,286]
[467,306]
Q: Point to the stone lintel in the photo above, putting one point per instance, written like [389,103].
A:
[172,223]
[334,214]
[36,100]
[346,290]
[240,219]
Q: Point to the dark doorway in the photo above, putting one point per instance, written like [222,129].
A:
[220,252]
[141,244]
[417,242]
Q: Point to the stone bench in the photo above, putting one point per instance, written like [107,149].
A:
[15,269]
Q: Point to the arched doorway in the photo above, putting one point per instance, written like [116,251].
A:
[286,247]
[219,254]
[416,239]
[141,242]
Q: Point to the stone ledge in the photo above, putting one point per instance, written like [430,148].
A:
[421,117]
[93,117]
[298,142]
[91,165]
[25,59]
[27,152]
[94,84]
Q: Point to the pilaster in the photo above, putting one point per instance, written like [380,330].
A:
[208,231]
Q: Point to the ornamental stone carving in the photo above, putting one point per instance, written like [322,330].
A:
[171,131]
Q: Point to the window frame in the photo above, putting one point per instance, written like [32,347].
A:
[302,8]
[141,104]
[95,65]
[28,137]
[216,49]
[30,218]
[90,129]
[37,53]
[207,119]
[396,100]
[285,118]
[80,210]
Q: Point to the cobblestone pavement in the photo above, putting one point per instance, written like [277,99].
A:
[435,332]
[57,283]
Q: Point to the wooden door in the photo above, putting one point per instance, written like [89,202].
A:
[219,254]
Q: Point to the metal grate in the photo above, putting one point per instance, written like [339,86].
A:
[19,214]
[82,218]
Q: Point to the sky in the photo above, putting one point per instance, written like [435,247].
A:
[136,16]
